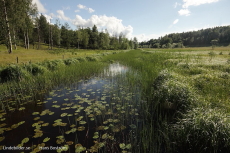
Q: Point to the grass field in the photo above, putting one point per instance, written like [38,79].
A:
[34,55]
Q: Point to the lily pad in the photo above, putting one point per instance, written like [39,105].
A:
[25,140]
[122,145]
[46,139]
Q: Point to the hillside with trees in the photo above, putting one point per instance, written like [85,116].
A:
[21,24]
[200,38]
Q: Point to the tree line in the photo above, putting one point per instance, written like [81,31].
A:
[201,38]
[21,24]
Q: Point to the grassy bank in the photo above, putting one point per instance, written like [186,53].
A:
[186,94]
[32,79]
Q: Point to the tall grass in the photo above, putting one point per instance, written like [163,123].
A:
[18,82]
[189,84]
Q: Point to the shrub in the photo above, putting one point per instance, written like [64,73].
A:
[202,130]
[35,69]
[13,72]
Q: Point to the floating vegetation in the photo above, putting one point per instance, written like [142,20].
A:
[82,109]
[46,139]
[79,148]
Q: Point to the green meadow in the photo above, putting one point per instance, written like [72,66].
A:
[144,100]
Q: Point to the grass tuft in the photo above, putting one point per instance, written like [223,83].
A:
[203,130]
[13,73]
[172,93]
[35,69]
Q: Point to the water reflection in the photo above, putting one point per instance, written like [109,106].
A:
[115,69]
[101,106]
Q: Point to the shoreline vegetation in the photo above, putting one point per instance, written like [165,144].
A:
[184,104]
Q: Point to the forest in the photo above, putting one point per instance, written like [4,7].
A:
[201,38]
[23,25]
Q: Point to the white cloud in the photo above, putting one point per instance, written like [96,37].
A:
[144,37]
[175,22]
[112,24]
[81,6]
[41,8]
[61,15]
[188,3]
[90,10]
[185,12]
[77,11]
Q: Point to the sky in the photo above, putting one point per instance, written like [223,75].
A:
[143,19]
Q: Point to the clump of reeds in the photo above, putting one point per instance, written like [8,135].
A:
[81,59]
[202,130]
[35,69]
[13,72]
[171,93]
[91,59]
[70,61]
[53,65]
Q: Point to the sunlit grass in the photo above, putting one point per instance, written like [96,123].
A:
[34,55]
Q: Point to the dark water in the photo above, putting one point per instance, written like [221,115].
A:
[102,113]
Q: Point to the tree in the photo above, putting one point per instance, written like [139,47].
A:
[93,39]
[7,26]
[44,29]
[131,44]
[78,37]
[65,36]
[135,43]
[56,33]
[85,38]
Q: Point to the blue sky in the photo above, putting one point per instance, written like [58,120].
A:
[144,19]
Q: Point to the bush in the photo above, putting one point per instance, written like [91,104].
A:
[13,72]
[202,130]
[35,69]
